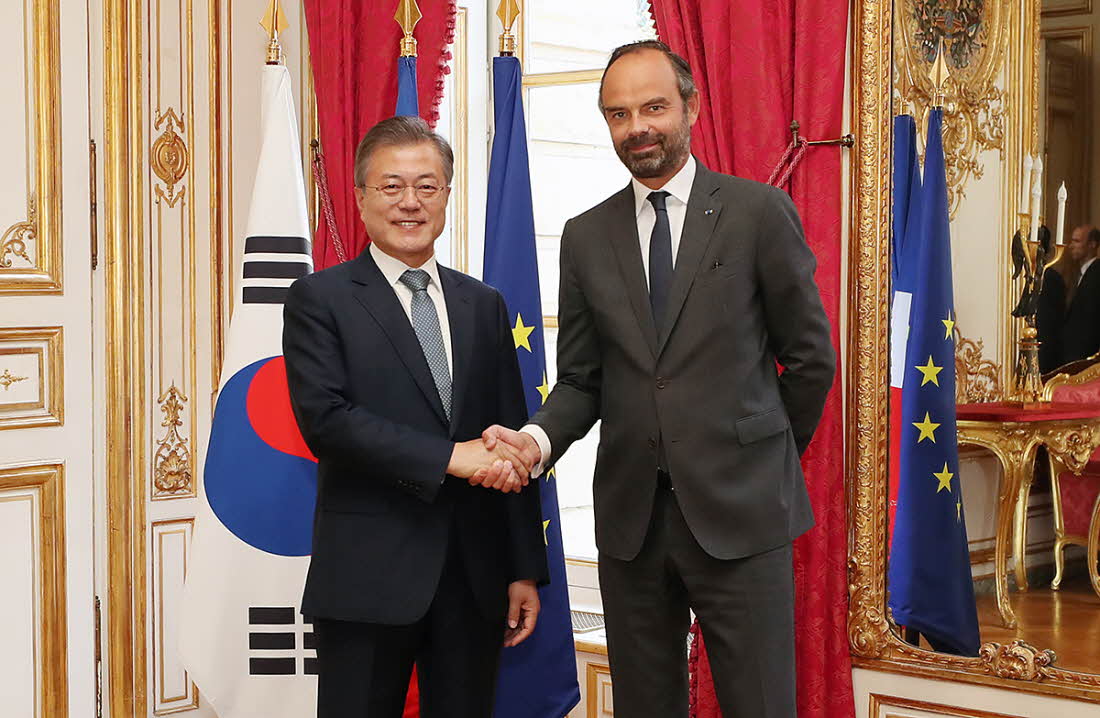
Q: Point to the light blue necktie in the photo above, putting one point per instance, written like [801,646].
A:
[425,322]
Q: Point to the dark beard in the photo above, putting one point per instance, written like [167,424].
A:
[671,151]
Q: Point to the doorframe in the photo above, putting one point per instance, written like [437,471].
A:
[125,301]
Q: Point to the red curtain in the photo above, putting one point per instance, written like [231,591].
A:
[760,64]
[354,45]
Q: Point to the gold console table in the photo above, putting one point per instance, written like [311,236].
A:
[1013,433]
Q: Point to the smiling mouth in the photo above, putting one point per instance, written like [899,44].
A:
[408,223]
[644,148]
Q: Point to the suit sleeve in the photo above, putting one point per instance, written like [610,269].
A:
[798,330]
[527,549]
[574,404]
[337,430]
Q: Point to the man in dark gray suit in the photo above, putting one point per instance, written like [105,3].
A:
[679,296]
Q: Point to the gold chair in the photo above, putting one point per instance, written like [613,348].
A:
[1076,497]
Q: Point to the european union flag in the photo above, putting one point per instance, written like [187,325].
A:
[931,587]
[407,104]
[538,678]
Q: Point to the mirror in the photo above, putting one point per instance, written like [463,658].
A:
[1002,103]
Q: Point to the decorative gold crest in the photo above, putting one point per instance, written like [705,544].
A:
[169,157]
[974,37]
[172,463]
[14,240]
[7,379]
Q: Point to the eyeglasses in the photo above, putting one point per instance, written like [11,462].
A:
[424,191]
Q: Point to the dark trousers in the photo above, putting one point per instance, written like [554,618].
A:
[745,608]
[364,668]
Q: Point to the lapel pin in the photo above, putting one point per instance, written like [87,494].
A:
[708,211]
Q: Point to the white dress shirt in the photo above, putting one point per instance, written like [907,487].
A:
[392,269]
[679,189]
[1084,268]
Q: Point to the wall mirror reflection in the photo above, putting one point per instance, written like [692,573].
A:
[994,487]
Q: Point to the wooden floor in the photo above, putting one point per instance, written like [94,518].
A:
[1066,621]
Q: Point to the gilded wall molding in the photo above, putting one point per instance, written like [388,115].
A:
[173,690]
[30,248]
[125,278]
[46,484]
[975,38]
[173,474]
[32,377]
[874,644]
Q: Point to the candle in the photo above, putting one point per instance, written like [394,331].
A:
[1036,196]
[1062,194]
[1025,184]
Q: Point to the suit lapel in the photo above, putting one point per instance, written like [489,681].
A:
[702,215]
[460,317]
[376,295]
[628,252]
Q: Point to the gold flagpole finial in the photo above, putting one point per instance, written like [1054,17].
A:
[274,23]
[407,15]
[939,75]
[508,11]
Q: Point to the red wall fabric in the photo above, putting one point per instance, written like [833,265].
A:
[354,45]
[760,64]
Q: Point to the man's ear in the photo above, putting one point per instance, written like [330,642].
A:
[693,104]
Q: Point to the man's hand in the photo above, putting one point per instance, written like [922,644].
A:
[523,612]
[522,445]
[470,458]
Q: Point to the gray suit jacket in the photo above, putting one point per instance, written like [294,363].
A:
[743,297]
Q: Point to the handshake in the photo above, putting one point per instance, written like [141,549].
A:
[501,459]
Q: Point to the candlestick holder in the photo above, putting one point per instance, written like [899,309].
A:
[1030,263]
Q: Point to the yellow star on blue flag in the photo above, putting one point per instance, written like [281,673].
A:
[521,334]
[927,429]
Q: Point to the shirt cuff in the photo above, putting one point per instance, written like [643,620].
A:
[537,433]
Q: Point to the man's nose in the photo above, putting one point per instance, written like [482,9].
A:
[638,126]
[409,199]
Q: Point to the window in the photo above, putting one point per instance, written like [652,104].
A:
[566,44]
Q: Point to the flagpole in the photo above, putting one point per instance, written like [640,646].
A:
[508,11]
[407,15]
[274,22]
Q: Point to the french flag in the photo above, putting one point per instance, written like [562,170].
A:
[903,270]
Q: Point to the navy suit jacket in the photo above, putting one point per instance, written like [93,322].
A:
[368,408]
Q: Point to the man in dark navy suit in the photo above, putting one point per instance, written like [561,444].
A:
[395,365]
[1081,327]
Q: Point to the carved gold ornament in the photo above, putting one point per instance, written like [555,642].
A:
[15,238]
[169,157]
[974,35]
[172,462]
[7,379]
[977,379]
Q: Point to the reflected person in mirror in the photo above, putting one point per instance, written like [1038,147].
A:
[679,296]
[1081,325]
[395,365]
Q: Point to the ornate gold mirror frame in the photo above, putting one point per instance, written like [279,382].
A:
[874,644]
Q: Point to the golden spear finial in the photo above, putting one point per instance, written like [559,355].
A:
[407,15]
[939,75]
[274,22]
[508,11]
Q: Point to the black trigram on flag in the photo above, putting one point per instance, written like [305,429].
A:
[271,264]
[275,649]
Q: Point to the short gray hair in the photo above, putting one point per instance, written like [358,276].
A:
[685,82]
[401,131]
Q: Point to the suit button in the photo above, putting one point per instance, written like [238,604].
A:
[661,382]
[652,443]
